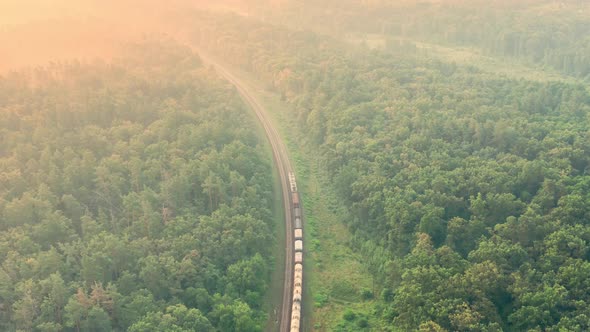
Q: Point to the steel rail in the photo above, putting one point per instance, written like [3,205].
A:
[283,166]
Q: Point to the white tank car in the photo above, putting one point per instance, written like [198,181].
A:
[299,257]
[298,245]
[298,234]
[297,277]
[297,294]
[295,316]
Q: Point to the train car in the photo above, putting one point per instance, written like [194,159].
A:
[296,309]
[292,182]
[298,245]
[299,268]
[297,301]
[295,198]
[299,257]
[297,292]
[295,320]
[298,274]
[298,223]
[298,233]
[295,314]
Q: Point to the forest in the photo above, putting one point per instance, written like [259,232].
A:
[137,190]
[134,195]
[468,192]
[546,33]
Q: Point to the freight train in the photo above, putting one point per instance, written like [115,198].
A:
[296,308]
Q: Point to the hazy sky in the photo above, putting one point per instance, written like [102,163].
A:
[34,32]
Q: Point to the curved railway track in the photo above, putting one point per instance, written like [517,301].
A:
[283,166]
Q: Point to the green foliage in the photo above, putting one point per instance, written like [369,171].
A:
[176,318]
[539,32]
[366,294]
[320,299]
[349,315]
[344,291]
[353,321]
[133,195]
[467,191]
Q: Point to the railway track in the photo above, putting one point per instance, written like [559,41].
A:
[284,168]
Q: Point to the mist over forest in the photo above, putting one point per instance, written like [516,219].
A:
[441,148]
